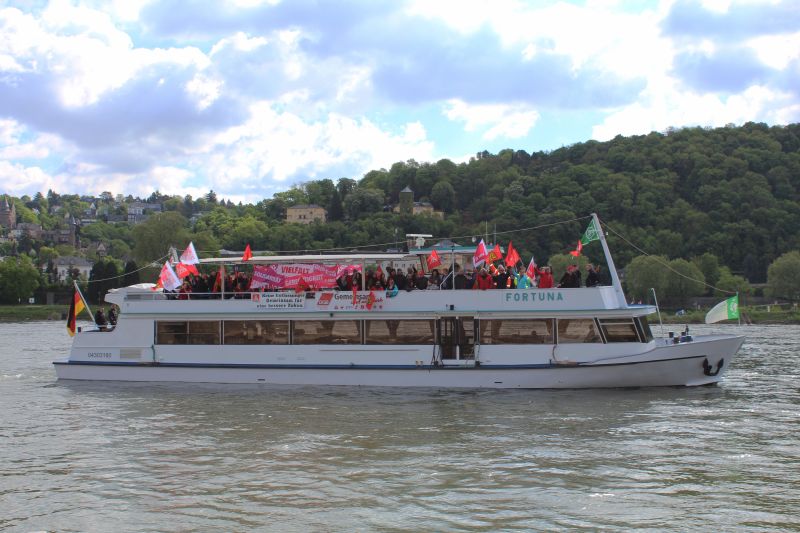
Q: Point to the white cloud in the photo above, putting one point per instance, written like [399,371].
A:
[19,179]
[665,105]
[776,51]
[498,120]
[281,146]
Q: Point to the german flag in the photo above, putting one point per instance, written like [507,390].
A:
[75,308]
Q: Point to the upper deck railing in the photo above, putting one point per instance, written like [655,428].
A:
[329,301]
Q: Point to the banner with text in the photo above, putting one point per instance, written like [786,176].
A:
[288,276]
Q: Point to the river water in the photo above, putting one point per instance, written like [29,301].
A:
[171,457]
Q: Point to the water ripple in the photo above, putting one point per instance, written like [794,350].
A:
[169,457]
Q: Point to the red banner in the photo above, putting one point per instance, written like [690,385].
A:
[288,276]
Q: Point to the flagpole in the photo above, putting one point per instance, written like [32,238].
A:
[453,267]
[658,310]
[610,262]
[85,303]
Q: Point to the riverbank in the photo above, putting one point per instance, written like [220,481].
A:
[25,313]
[749,316]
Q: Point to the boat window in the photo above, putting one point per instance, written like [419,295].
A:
[326,332]
[191,332]
[578,330]
[516,331]
[171,332]
[398,331]
[203,332]
[647,334]
[256,331]
[619,329]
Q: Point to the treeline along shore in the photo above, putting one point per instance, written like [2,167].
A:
[690,212]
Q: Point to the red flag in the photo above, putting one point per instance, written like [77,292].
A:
[532,268]
[512,257]
[479,257]
[371,299]
[495,255]
[577,251]
[355,293]
[433,260]
[184,270]
[218,284]
[247,253]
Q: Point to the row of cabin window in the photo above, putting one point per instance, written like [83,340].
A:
[509,331]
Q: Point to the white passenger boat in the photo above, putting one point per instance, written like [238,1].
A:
[532,338]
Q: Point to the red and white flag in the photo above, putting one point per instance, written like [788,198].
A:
[168,278]
[480,255]
[433,260]
[247,253]
[532,268]
[189,255]
[183,270]
[577,251]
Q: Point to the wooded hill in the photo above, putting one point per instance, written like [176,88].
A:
[731,192]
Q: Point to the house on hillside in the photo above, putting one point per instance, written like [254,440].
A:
[65,265]
[408,206]
[306,214]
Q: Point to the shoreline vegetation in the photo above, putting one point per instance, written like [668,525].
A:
[26,312]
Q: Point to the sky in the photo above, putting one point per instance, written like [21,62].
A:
[250,97]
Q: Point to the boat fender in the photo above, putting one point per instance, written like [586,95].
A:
[707,367]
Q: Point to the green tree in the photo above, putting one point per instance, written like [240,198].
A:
[782,278]
[130,274]
[18,279]
[684,281]
[646,272]
[104,276]
[443,196]
[729,283]
[708,264]
[153,237]
[47,254]
[362,202]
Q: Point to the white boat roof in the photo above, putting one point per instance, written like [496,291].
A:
[337,258]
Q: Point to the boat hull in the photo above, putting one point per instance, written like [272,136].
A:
[689,364]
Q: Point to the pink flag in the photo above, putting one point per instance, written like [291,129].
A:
[189,255]
[479,257]
[168,278]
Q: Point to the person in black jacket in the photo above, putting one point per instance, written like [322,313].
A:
[592,279]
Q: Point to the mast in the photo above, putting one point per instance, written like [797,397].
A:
[610,263]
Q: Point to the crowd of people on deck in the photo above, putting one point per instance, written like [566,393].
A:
[393,281]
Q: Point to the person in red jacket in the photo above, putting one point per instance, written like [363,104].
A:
[483,281]
[545,277]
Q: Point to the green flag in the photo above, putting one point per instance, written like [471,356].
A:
[592,233]
[725,310]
